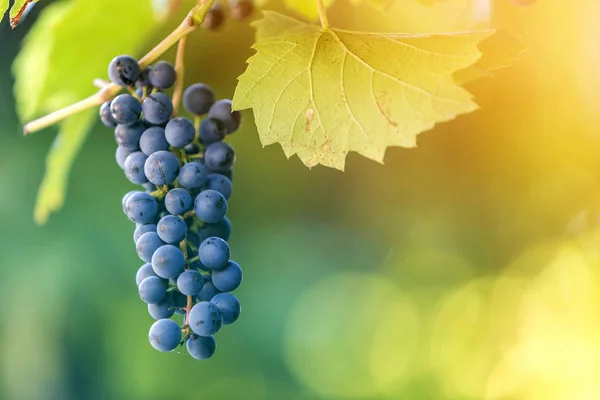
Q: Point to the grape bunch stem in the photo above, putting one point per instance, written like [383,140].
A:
[190,23]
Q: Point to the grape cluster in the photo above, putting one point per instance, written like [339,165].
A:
[238,10]
[181,229]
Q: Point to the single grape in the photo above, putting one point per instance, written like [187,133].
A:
[180,132]
[229,278]
[219,156]
[165,335]
[128,136]
[157,108]
[123,71]
[141,208]
[144,272]
[193,176]
[192,148]
[153,140]
[220,229]
[162,75]
[134,168]
[229,306]
[198,98]
[190,282]
[121,155]
[214,253]
[141,229]
[164,309]
[105,115]
[211,130]
[241,9]
[201,347]
[125,109]
[205,318]
[221,184]
[171,229]
[178,201]
[168,261]
[147,245]
[210,206]
[124,200]
[152,290]
[208,291]
[221,110]
[180,302]
[214,18]
[161,168]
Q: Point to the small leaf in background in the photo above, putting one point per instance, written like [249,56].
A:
[67,144]
[306,8]
[3,8]
[19,11]
[322,94]
[64,51]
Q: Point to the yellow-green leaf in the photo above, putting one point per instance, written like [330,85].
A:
[65,50]
[3,8]
[67,144]
[307,8]
[17,10]
[322,94]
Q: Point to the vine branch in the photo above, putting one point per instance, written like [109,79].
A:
[323,15]
[179,72]
[190,23]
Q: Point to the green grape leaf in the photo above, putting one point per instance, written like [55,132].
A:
[62,54]
[67,144]
[306,8]
[324,93]
[3,8]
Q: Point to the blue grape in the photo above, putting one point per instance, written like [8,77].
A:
[190,282]
[198,98]
[128,136]
[125,109]
[171,229]
[205,318]
[105,115]
[147,244]
[141,208]
[229,278]
[152,290]
[180,132]
[144,272]
[161,168]
[153,140]
[126,197]
[192,148]
[123,71]
[180,302]
[162,75]
[144,79]
[214,253]
[201,347]
[134,168]
[178,201]
[157,108]
[221,110]
[208,291]
[121,155]
[211,130]
[141,229]
[210,206]
[165,335]
[164,309]
[193,176]
[220,229]
[219,156]
[229,306]
[168,261]
[221,184]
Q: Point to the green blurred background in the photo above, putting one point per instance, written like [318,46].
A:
[464,269]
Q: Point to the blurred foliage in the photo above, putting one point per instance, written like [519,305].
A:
[465,269]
